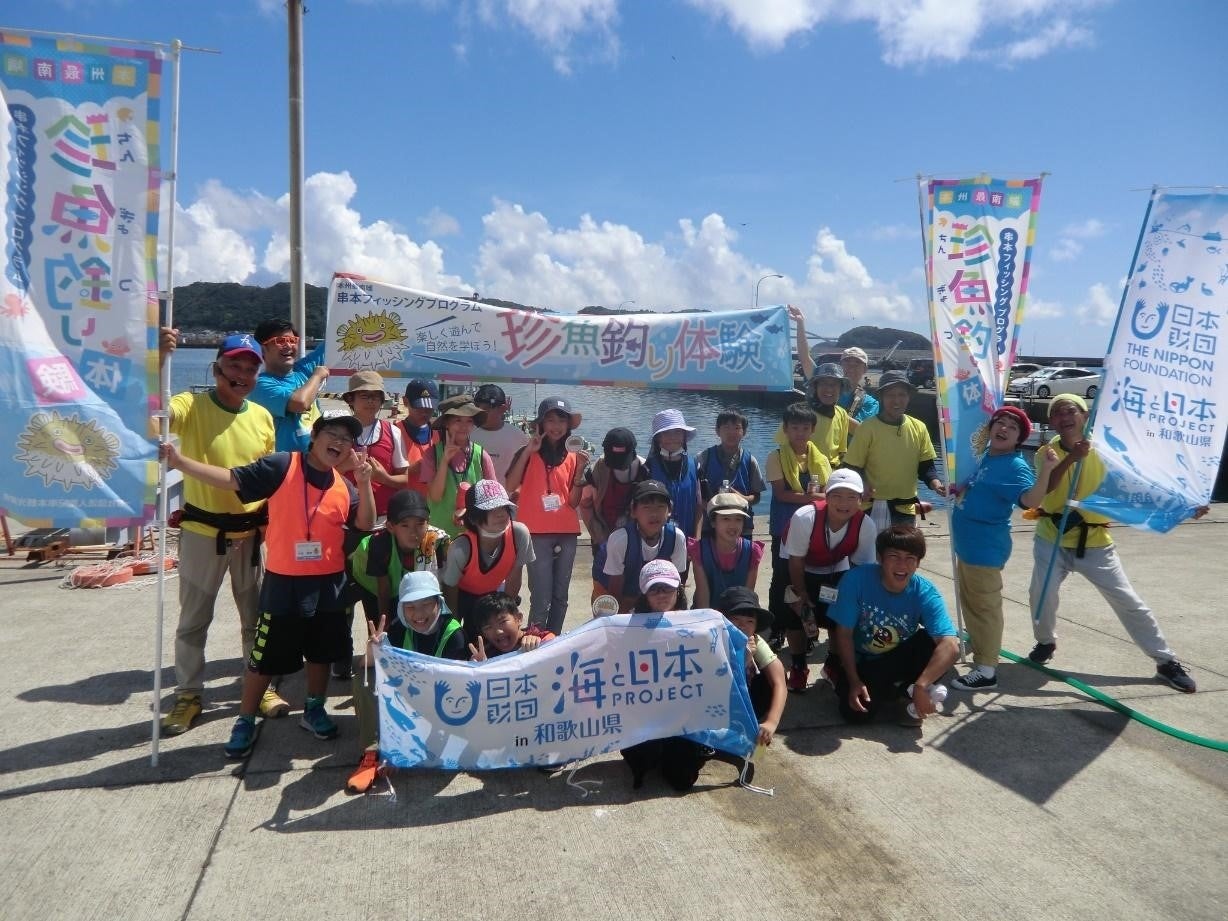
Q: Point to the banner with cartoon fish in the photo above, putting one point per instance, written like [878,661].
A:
[1159,423]
[79,203]
[978,245]
[401,332]
[611,683]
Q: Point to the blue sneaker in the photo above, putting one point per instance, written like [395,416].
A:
[317,722]
[242,738]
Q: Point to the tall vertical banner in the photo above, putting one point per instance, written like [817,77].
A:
[978,246]
[78,300]
[1159,427]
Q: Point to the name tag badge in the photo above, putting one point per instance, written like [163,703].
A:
[828,594]
[308,551]
[551,502]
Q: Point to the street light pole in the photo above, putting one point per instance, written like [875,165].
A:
[760,281]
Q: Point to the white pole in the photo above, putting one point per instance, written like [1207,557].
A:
[298,292]
[165,388]
[922,200]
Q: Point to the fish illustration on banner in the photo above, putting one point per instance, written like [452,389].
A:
[403,332]
[978,244]
[609,684]
[78,300]
[1159,425]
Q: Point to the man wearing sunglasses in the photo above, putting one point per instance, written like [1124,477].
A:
[287,387]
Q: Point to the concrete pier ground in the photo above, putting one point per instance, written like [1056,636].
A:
[1029,802]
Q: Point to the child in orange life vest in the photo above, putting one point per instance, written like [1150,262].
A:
[456,459]
[501,630]
[302,598]
[724,557]
[825,538]
[550,480]
[489,555]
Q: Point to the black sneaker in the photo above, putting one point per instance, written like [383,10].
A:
[975,680]
[1175,675]
[342,670]
[1042,653]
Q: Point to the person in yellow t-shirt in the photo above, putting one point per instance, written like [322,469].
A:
[1086,547]
[892,451]
[218,533]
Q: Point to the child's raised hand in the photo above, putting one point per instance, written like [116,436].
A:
[1048,459]
[535,443]
[529,643]
[376,634]
[477,652]
[169,453]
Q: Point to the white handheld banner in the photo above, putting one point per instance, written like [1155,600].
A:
[611,683]
[1159,425]
[401,332]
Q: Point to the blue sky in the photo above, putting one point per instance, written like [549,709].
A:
[670,152]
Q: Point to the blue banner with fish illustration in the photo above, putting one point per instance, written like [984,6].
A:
[611,683]
[401,332]
[79,200]
[978,244]
[1159,422]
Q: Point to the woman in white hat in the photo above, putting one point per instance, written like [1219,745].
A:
[669,462]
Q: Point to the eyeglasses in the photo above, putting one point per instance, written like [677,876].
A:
[281,341]
[344,438]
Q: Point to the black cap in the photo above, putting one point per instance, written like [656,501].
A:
[349,423]
[738,599]
[893,379]
[649,488]
[490,395]
[619,448]
[421,394]
[407,504]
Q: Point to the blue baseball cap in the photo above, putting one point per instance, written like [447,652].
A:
[421,395]
[240,344]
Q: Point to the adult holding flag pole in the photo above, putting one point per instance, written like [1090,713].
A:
[1153,462]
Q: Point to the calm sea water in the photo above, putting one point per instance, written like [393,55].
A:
[603,408]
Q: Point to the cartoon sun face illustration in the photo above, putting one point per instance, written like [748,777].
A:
[67,450]
[372,341]
[884,639]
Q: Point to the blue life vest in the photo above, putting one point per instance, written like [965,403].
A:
[779,512]
[683,491]
[715,475]
[633,561]
[721,579]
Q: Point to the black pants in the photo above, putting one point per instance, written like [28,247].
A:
[679,760]
[887,677]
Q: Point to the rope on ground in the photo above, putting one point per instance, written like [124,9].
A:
[1114,704]
[118,571]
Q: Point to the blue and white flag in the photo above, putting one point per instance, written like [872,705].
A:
[611,683]
[1159,423]
[79,204]
[402,332]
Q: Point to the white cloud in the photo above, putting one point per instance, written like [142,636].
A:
[1065,250]
[439,223]
[1099,306]
[1038,309]
[915,31]
[1085,230]
[230,235]
[219,236]
[889,233]
[523,258]
[559,24]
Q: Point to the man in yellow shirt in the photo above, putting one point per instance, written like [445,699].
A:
[219,534]
[1086,548]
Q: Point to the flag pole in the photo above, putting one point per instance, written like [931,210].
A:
[922,198]
[1091,422]
[164,373]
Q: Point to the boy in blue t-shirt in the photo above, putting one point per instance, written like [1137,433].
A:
[981,535]
[892,630]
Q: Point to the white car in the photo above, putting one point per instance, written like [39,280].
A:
[1052,381]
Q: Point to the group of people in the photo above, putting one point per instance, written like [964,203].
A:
[428,522]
